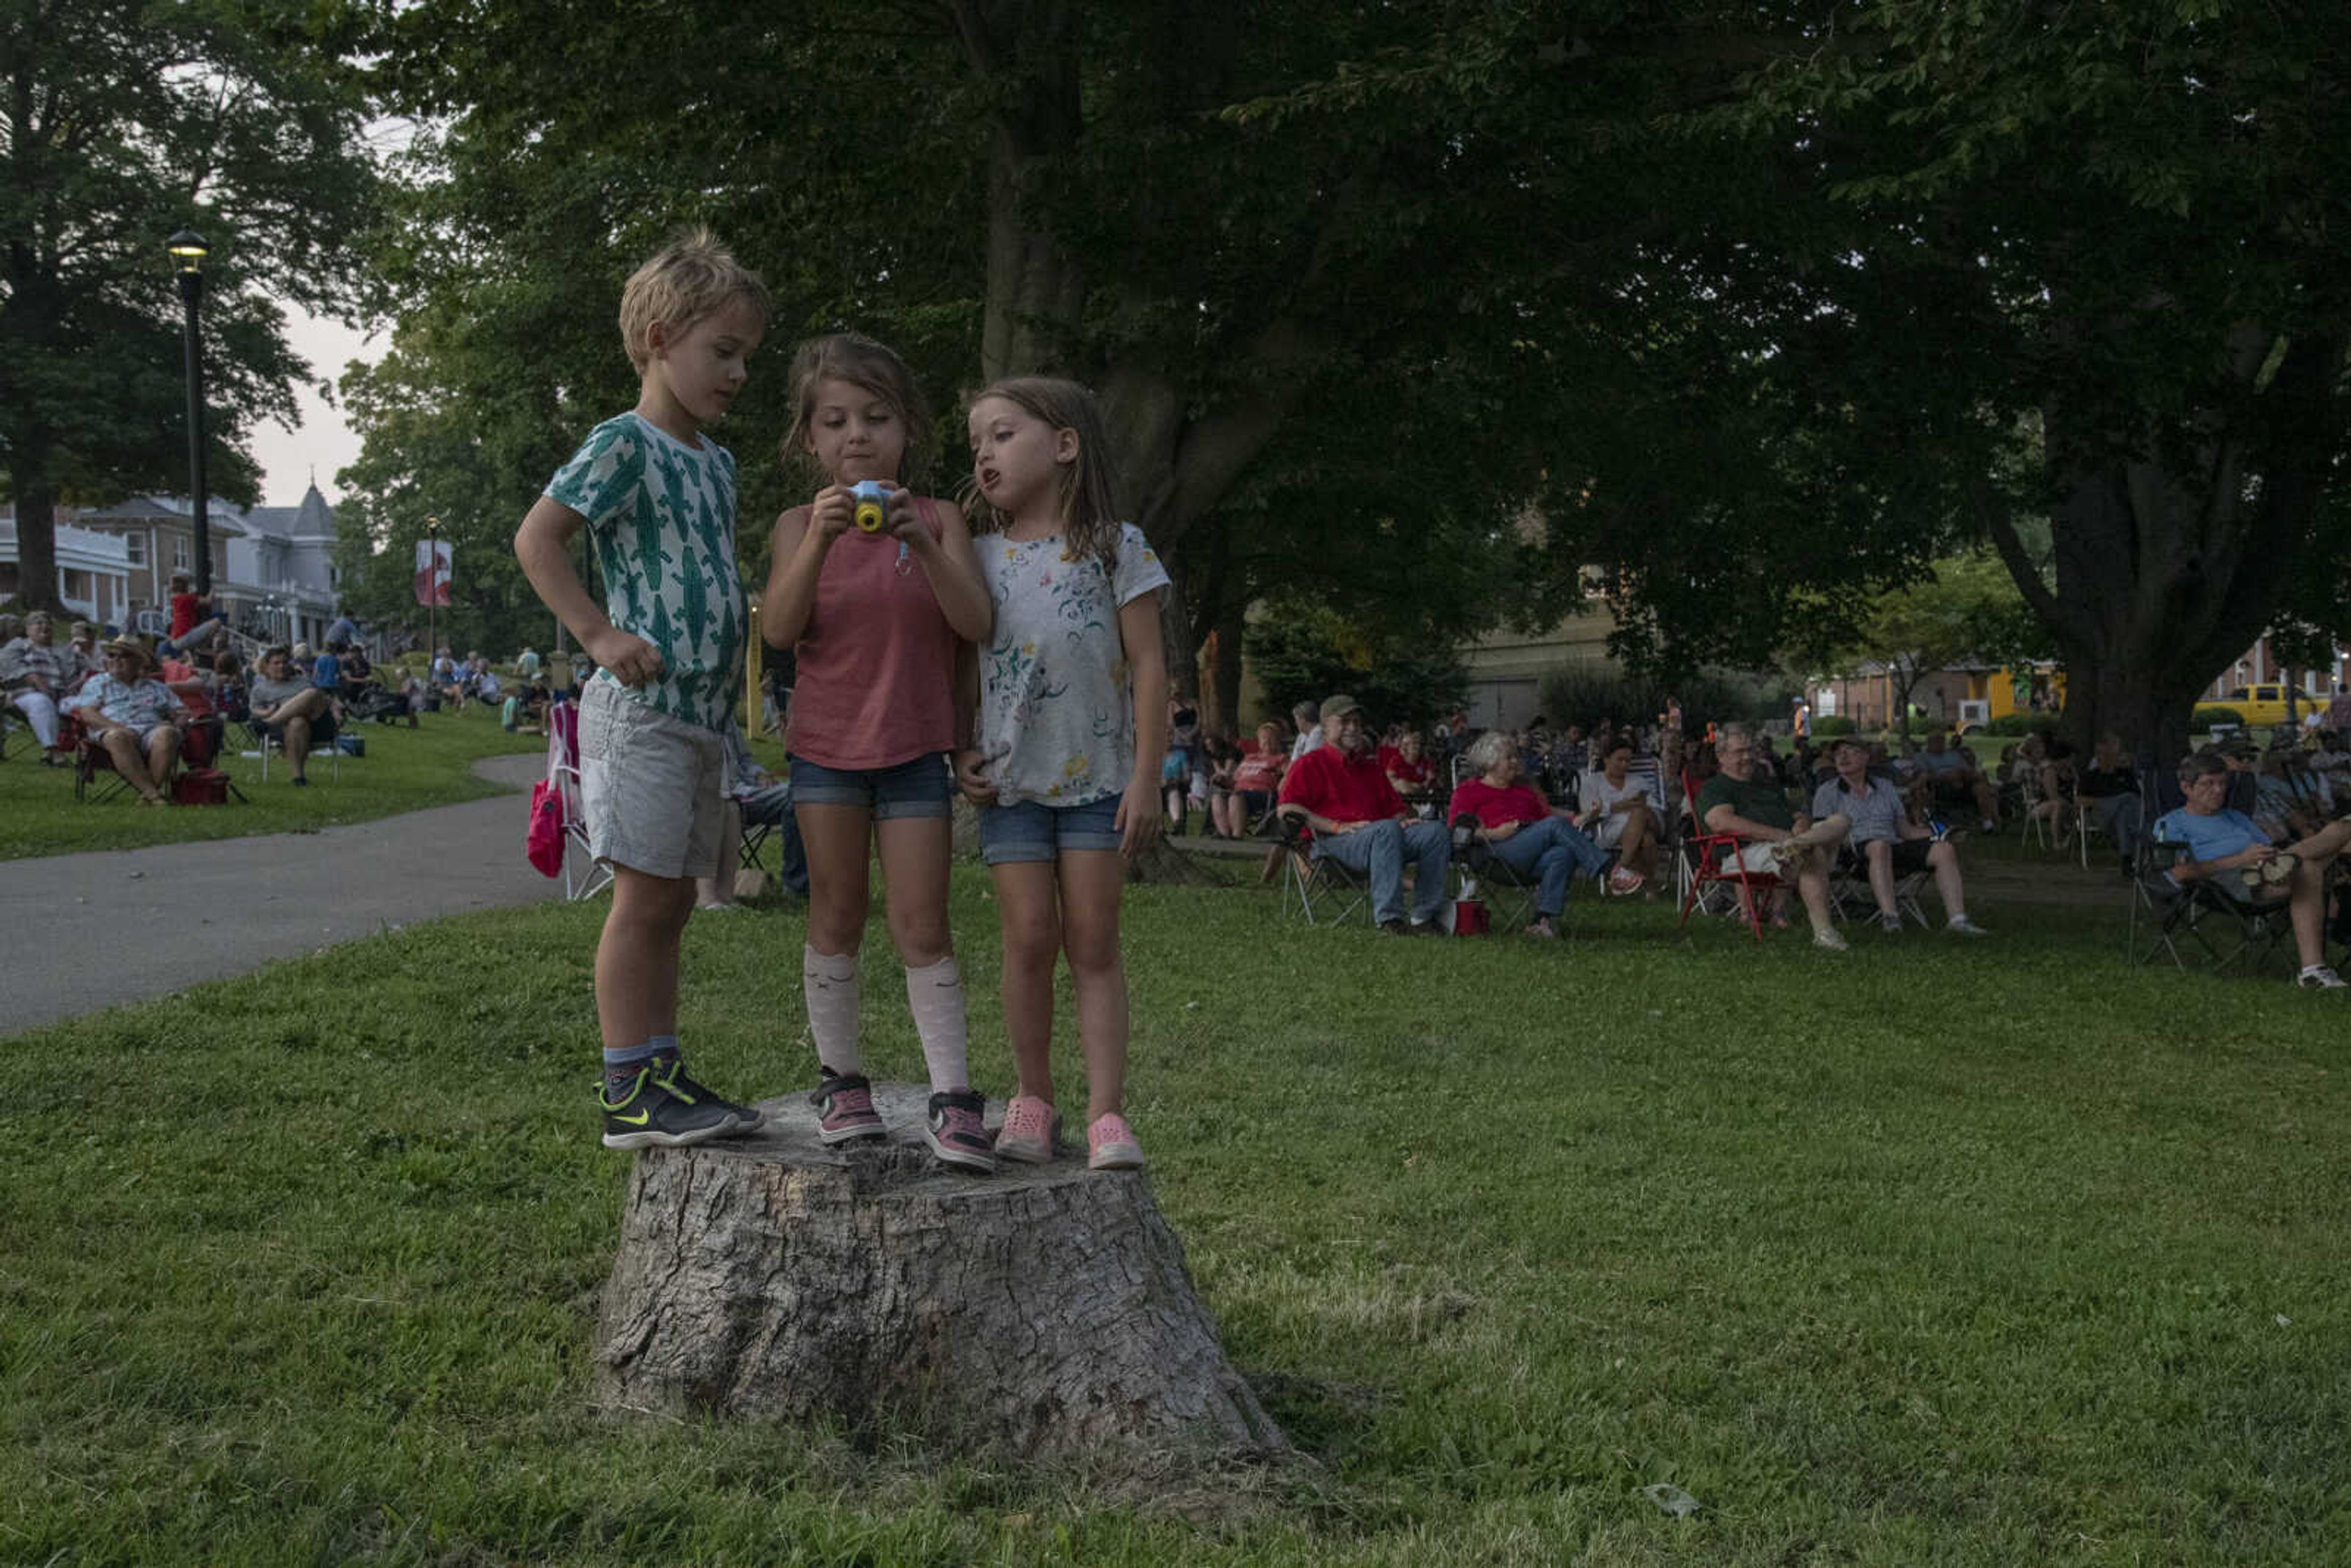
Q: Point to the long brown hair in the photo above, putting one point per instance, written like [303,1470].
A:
[864,363]
[1088,498]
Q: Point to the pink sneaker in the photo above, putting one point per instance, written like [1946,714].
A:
[844,1107]
[1112,1145]
[1622,880]
[1031,1129]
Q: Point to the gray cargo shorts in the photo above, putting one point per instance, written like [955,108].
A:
[650,785]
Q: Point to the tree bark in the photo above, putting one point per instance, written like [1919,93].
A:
[37,549]
[2164,573]
[1044,1311]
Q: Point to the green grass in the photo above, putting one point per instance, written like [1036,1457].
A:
[1927,1253]
[404,770]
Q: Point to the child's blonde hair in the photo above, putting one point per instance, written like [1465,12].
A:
[1088,498]
[861,361]
[690,279]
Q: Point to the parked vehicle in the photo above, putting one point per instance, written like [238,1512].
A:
[2262,707]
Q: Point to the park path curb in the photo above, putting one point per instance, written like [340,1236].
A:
[89,931]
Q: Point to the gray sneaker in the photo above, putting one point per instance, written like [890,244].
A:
[1890,924]
[1826,936]
[1960,925]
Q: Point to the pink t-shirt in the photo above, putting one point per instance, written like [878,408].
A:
[876,660]
[1493,807]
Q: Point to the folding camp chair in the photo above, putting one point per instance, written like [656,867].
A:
[2233,934]
[1508,893]
[1714,877]
[271,740]
[2030,799]
[1852,898]
[1326,892]
[584,876]
[11,717]
[1649,773]
[96,778]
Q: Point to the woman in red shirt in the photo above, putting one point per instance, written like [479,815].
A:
[1525,833]
[1409,768]
[1256,778]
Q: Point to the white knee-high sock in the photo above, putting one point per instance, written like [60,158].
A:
[936,997]
[829,982]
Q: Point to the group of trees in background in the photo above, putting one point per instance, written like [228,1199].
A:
[1407,316]
[122,121]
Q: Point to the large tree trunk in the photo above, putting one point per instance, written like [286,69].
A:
[1043,1311]
[1225,668]
[37,549]
[1173,465]
[2165,573]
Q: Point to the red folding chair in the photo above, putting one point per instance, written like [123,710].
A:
[1711,867]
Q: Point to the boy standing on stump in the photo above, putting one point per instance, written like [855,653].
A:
[658,501]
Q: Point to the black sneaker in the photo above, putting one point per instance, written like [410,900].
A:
[1395,928]
[673,1079]
[651,1116]
[957,1133]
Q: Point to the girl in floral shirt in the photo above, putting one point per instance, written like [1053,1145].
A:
[1067,782]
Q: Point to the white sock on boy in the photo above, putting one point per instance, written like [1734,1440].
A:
[829,982]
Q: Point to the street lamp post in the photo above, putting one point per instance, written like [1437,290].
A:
[189,250]
[432,594]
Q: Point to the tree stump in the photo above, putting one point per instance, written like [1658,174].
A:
[1043,1311]
[1163,863]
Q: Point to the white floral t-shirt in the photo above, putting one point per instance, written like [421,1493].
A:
[1056,709]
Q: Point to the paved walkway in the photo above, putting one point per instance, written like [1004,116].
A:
[189,912]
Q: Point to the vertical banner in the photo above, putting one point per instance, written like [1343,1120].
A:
[433,558]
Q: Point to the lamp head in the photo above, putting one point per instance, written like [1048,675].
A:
[188,248]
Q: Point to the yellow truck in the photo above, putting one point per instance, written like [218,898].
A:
[2262,707]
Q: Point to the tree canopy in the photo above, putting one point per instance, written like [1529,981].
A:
[120,122]
[1412,314]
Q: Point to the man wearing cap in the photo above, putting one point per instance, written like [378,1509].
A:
[134,716]
[1340,791]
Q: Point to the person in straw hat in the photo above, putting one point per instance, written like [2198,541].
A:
[135,716]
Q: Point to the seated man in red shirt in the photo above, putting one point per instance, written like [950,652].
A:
[1340,791]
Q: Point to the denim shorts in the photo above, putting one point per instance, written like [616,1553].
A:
[917,788]
[1030,830]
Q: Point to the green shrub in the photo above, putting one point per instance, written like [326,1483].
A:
[1586,695]
[1832,727]
[2211,717]
[1304,653]
[2013,723]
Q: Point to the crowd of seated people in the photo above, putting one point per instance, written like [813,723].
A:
[37,674]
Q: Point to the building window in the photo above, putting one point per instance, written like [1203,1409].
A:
[180,552]
[136,542]
[73,585]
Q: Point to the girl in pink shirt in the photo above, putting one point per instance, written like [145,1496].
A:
[874,618]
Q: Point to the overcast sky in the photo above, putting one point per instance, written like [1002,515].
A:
[324,442]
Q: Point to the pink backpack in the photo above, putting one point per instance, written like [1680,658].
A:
[543,845]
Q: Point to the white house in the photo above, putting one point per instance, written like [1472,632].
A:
[93,568]
[273,566]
